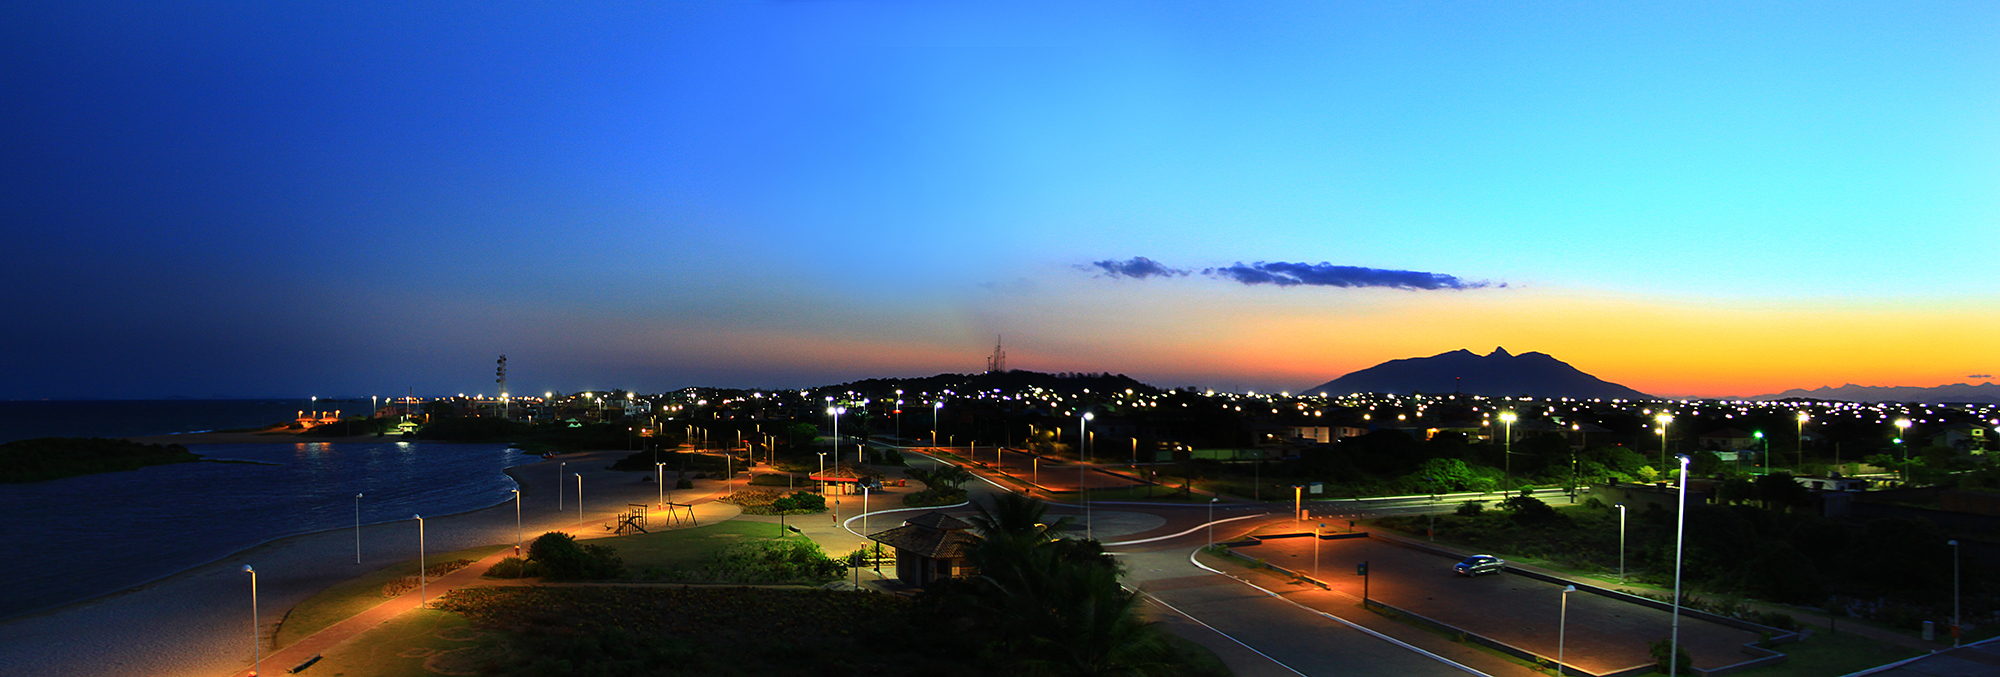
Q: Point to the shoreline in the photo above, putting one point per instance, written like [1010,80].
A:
[245,551]
[191,622]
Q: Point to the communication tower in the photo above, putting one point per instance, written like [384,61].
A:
[998,361]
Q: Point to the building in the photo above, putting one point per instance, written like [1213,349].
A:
[930,547]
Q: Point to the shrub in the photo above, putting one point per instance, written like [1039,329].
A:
[563,559]
[1470,509]
[514,567]
[684,483]
[1661,649]
[934,497]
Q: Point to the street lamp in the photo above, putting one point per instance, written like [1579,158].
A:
[1621,542]
[1082,457]
[1764,461]
[1663,419]
[818,482]
[256,642]
[561,468]
[899,416]
[1801,450]
[935,408]
[423,583]
[357,528]
[660,478]
[1680,533]
[517,522]
[1562,627]
[1316,530]
[579,505]
[1507,461]
[1211,519]
[1954,591]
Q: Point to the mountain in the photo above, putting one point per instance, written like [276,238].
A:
[1987,393]
[1497,374]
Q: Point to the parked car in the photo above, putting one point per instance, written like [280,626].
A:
[1480,564]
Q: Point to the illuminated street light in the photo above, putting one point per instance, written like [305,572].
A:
[1663,419]
[517,522]
[1562,627]
[256,641]
[1507,461]
[579,505]
[357,528]
[423,582]
[1801,450]
[561,468]
[1621,542]
[1680,533]
[1082,459]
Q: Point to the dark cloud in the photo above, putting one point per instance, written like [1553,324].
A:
[1980,376]
[1329,275]
[1139,267]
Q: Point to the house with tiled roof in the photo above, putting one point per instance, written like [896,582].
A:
[930,547]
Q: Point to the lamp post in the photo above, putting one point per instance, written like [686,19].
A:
[1507,461]
[1954,591]
[423,579]
[818,483]
[517,522]
[357,528]
[579,504]
[1763,462]
[1663,419]
[1562,627]
[561,469]
[1801,446]
[1621,542]
[1211,519]
[935,408]
[256,642]
[1082,459]
[1316,531]
[899,416]
[660,478]
[1680,533]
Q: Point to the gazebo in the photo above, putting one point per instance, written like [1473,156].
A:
[929,547]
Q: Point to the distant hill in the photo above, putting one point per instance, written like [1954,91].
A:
[1497,375]
[1987,393]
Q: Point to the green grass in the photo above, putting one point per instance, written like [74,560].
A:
[400,648]
[344,600]
[1836,654]
[685,548]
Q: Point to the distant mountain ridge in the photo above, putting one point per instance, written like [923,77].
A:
[1987,393]
[1497,374]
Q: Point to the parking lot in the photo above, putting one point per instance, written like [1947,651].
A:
[1604,634]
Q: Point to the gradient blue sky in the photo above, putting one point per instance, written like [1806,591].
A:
[359,198]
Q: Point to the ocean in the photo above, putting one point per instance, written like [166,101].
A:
[79,537]
[20,420]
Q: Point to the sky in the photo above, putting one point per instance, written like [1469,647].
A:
[361,198]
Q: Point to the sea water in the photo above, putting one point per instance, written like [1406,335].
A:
[20,420]
[79,537]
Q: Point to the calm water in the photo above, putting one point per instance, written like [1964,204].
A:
[75,538]
[133,418]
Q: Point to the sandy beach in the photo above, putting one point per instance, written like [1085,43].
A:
[196,623]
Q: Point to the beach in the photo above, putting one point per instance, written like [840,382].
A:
[197,622]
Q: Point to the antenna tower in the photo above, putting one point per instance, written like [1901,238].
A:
[998,361]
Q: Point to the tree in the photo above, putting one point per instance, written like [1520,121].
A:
[563,559]
[1779,491]
[1444,474]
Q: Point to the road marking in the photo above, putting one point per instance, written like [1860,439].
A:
[1184,533]
[1225,635]
[1342,621]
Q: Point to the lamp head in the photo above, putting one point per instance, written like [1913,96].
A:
[248,570]
[1088,416]
[1684,460]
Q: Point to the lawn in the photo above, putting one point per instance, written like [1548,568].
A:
[418,643]
[344,600]
[685,548]
[1832,654]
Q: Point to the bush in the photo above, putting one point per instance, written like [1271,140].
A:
[562,559]
[1470,509]
[514,567]
[934,497]
[684,483]
[1662,648]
